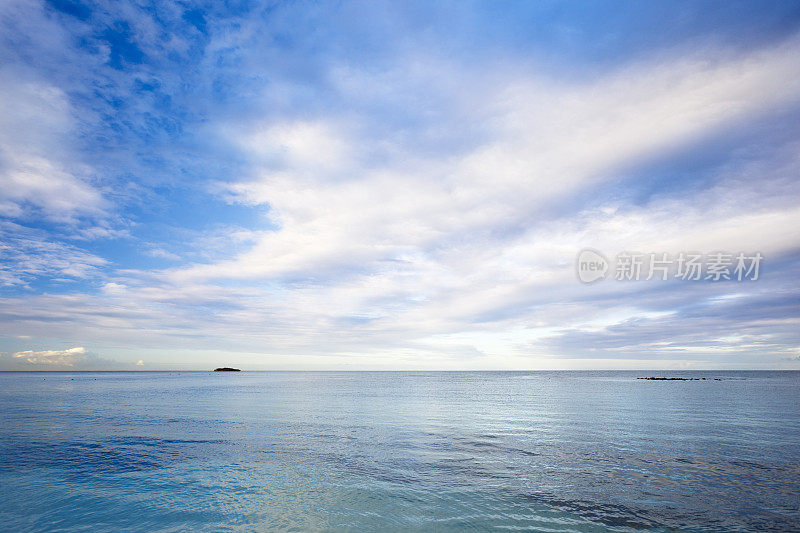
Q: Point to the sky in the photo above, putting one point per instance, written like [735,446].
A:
[396,185]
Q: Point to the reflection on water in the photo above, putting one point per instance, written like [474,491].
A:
[551,451]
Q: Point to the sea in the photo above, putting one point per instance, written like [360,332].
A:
[399,451]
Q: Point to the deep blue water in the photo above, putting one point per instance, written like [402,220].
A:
[391,451]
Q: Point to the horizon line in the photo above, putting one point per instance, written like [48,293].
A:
[440,370]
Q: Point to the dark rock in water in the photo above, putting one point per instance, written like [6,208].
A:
[227,369]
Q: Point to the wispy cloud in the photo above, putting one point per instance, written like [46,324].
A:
[29,254]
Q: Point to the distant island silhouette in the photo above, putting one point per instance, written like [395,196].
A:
[227,369]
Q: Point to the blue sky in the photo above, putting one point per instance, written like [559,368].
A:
[394,185]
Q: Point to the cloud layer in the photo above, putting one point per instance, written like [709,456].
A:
[190,185]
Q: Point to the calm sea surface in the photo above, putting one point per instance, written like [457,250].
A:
[544,451]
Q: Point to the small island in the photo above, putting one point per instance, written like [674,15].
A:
[227,369]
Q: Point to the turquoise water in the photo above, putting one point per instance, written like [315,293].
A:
[547,451]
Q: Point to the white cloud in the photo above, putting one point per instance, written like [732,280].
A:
[37,166]
[76,358]
[315,146]
[69,357]
[160,253]
[548,140]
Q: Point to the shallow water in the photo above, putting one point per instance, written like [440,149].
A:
[547,451]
